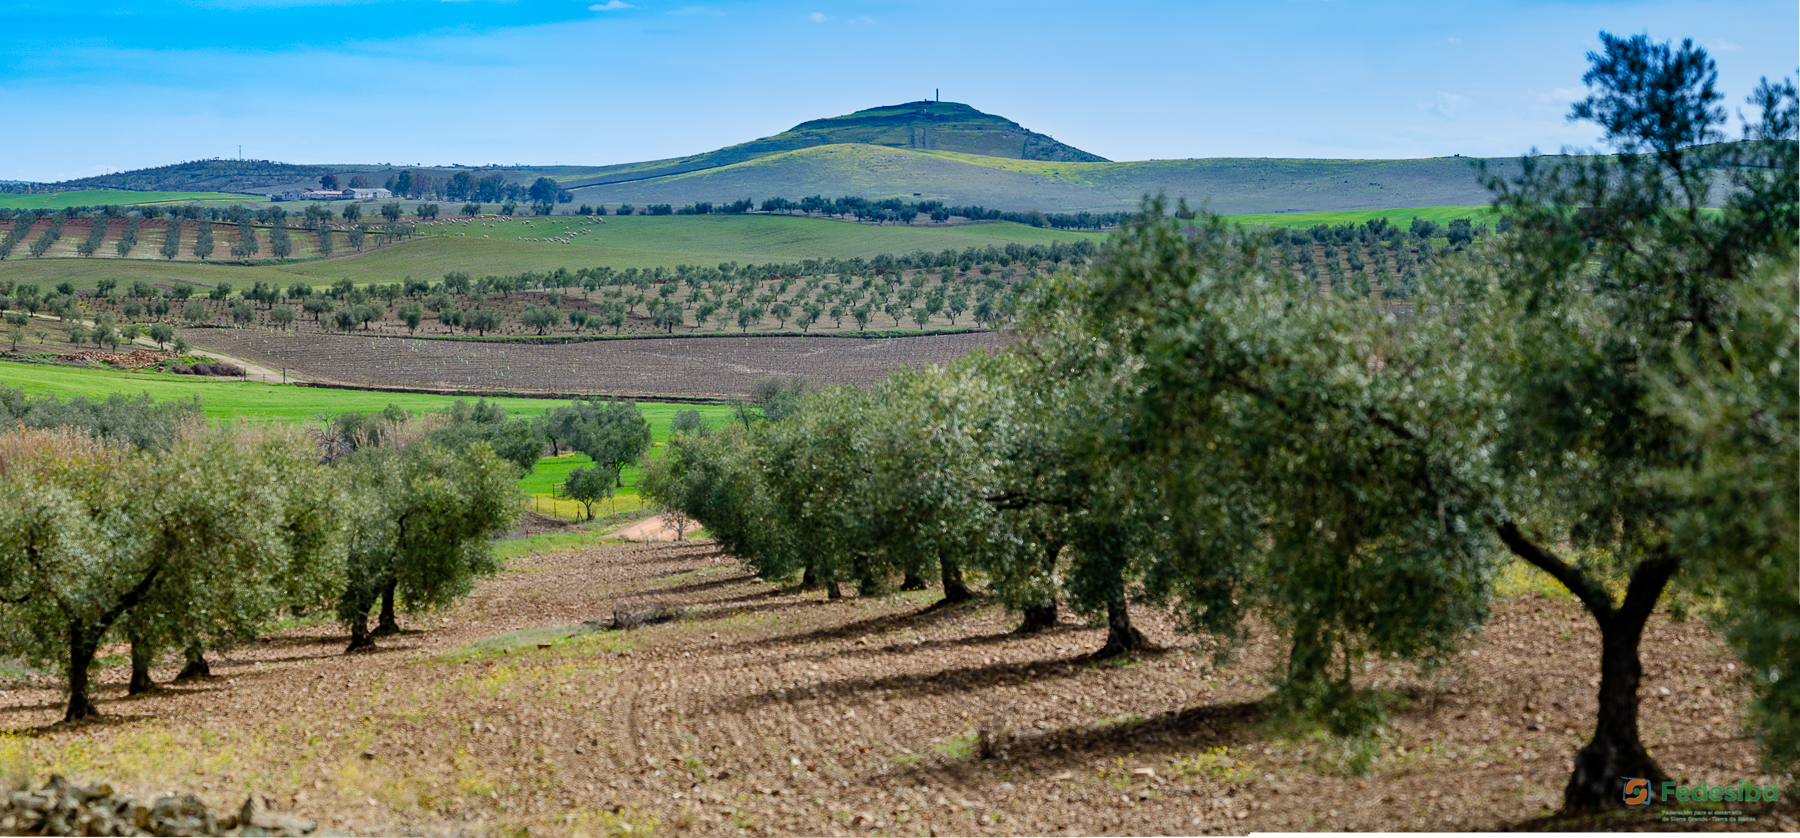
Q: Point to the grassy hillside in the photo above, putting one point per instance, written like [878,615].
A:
[105,197]
[631,242]
[947,126]
[262,176]
[1228,185]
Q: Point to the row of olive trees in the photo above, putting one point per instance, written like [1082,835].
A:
[1181,426]
[125,520]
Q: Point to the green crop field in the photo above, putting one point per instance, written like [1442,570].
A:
[1398,217]
[650,241]
[631,242]
[287,403]
[100,198]
[234,399]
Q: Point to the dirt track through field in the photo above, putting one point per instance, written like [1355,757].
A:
[757,711]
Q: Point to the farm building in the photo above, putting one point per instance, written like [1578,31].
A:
[311,195]
[367,194]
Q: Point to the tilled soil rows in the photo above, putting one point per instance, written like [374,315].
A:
[750,710]
[708,367]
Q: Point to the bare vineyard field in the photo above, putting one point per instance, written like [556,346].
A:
[711,367]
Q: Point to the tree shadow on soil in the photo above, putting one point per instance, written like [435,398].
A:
[953,680]
[1193,728]
[697,587]
[926,617]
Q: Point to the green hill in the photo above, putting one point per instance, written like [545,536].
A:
[932,150]
[933,126]
[1226,185]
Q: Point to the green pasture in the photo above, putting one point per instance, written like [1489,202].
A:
[100,198]
[654,241]
[1398,217]
[84,272]
[287,403]
[629,242]
[225,399]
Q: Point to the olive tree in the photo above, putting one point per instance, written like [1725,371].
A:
[589,486]
[1601,308]
[179,543]
[424,522]
[613,434]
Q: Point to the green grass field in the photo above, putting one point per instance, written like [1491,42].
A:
[232,399]
[1399,217]
[631,242]
[651,241]
[100,198]
[225,399]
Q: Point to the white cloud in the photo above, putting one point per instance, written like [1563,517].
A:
[692,11]
[610,6]
[1456,40]
[818,17]
[1725,46]
[1561,94]
[1447,104]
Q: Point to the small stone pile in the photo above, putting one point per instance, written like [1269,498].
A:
[133,360]
[63,808]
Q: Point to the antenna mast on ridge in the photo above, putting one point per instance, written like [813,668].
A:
[937,94]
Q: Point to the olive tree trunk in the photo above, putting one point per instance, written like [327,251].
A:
[82,648]
[1615,752]
[1042,616]
[387,626]
[955,589]
[196,665]
[360,637]
[1122,638]
[142,655]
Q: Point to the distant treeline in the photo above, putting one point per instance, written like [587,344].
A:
[884,211]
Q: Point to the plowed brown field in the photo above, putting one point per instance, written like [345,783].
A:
[764,712]
[704,367]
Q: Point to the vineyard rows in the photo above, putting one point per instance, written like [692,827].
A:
[722,367]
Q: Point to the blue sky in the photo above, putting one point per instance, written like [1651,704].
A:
[103,85]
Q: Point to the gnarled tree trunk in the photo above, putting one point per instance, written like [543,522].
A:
[1616,751]
[387,625]
[196,665]
[1042,616]
[955,589]
[142,655]
[1122,638]
[1037,618]
[81,656]
[360,638]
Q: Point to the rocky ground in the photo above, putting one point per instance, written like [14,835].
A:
[750,710]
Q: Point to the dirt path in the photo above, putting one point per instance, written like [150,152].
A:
[654,528]
[763,712]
